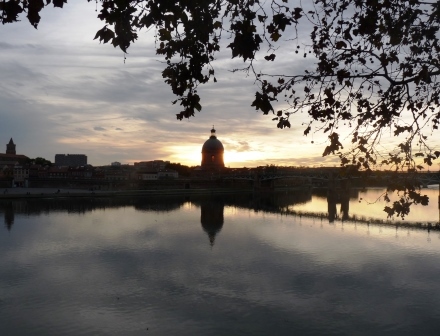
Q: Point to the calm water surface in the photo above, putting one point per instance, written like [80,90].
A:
[213,265]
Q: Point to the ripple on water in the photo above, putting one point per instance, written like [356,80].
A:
[264,274]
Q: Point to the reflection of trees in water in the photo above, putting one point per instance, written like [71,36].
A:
[212,205]
[352,193]
[280,201]
[159,203]
[82,205]
[270,201]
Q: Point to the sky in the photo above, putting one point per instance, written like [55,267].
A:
[61,92]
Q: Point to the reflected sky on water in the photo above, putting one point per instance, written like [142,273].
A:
[369,203]
[210,265]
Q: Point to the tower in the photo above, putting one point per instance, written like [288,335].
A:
[10,148]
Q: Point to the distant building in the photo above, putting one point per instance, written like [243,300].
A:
[212,153]
[70,160]
[148,176]
[58,173]
[11,156]
[116,164]
[21,175]
[153,166]
[10,147]
[166,174]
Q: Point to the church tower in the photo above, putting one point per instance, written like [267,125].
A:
[10,148]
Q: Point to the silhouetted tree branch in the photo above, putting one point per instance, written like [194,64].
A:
[371,65]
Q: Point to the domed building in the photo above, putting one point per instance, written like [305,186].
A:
[212,153]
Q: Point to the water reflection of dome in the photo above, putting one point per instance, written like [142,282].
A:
[212,219]
[212,153]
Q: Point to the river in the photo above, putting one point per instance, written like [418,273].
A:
[245,264]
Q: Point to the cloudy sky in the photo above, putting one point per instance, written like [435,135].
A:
[63,92]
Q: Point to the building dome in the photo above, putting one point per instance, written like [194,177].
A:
[212,153]
[212,144]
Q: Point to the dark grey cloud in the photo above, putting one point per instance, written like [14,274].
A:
[100,88]
[57,83]
[5,45]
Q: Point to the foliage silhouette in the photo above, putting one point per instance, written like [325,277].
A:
[371,65]
[39,161]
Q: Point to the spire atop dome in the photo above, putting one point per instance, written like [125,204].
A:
[213,132]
